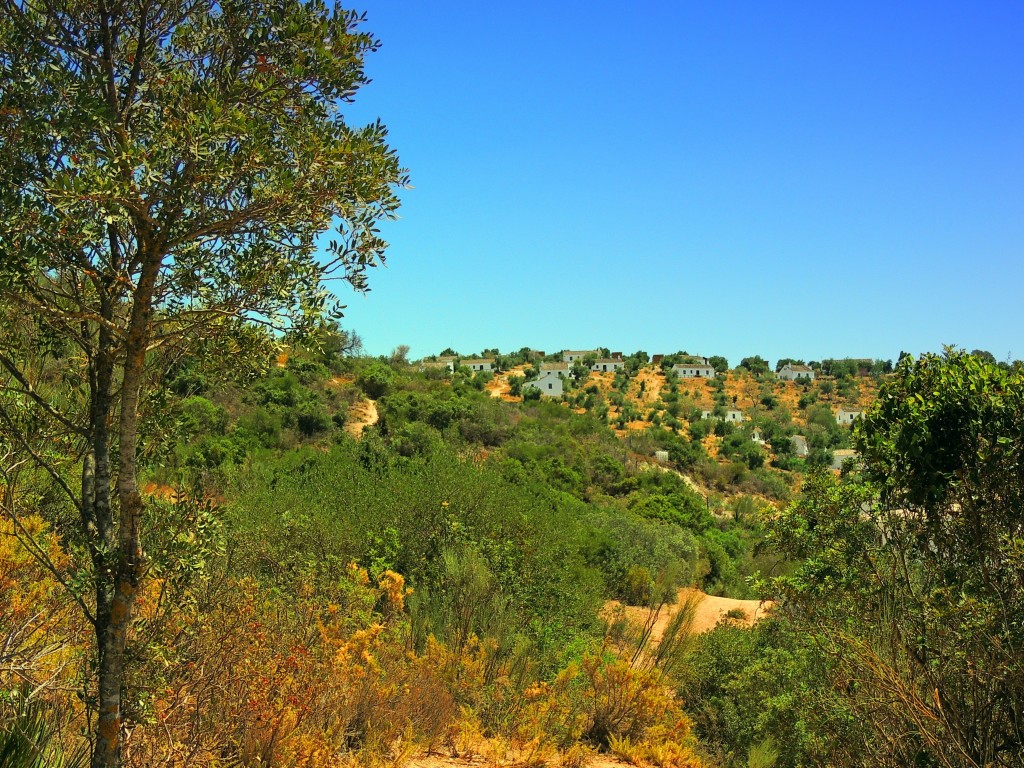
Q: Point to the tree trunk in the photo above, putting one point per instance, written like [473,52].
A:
[118,581]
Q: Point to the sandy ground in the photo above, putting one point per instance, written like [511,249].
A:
[653,380]
[709,611]
[361,414]
[500,388]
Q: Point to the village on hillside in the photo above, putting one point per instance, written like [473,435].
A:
[798,410]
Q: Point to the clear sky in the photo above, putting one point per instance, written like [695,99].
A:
[795,179]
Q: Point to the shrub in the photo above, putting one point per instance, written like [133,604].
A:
[376,380]
[311,419]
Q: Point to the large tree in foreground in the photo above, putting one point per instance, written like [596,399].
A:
[912,568]
[166,169]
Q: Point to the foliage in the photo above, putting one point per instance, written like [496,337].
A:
[746,686]
[29,738]
[719,363]
[376,380]
[166,172]
[756,364]
[912,574]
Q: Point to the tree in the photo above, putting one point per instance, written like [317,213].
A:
[399,356]
[912,572]
[757,365]
[719,363]
[166,170]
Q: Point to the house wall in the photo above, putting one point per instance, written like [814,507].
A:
[788,374]
[684,371]
[549,383]
[572,357]
[846,417]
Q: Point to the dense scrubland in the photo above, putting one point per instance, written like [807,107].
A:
[437,583]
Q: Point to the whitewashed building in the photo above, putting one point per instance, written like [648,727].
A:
[800,447]
[608,364]
[549,384]
[732,415]
[790,372]
[479,364]
[551,381]
[694,370]
[576,355]
[846,416]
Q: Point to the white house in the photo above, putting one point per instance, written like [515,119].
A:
[449,361]
[576,355]
[560,369]
[732,415]
[608,364]
[790,372]
[694,370]
[846,416]
[756,437]
[479,364]
[551,381]
[800,447]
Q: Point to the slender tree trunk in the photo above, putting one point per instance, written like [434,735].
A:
[98,518]
[120,580]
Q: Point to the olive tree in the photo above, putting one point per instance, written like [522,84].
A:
[167,169]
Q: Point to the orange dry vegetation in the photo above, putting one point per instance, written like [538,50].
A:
[323,677]
[499,386]
[653,379]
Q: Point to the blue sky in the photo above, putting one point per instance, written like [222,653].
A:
[790,179]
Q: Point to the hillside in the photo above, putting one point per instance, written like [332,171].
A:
[417,534]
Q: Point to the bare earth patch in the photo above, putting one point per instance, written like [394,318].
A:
[361,414]
[500,387]
[709,612]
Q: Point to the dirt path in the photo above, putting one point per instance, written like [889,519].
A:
[362,414]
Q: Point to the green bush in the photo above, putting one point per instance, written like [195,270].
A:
[376,380]
[311,418]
